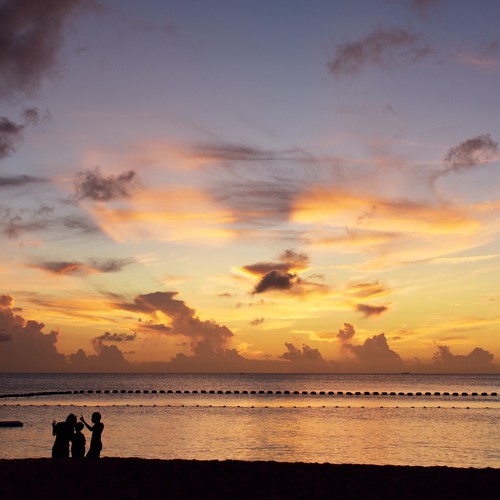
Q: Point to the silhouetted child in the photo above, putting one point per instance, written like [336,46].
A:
[78,444]
[96,429]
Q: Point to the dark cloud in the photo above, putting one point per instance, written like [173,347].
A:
[81,268]
[346,333]
[10,135]
[384,48]
[472,152]
[478,360]
[275,280]
[256,322]
[14,181]
[109,265]
[184,321]
[278,275]
[369,310]
[116,337]
[5,337]
[30,36]
[91,184]
[13,225]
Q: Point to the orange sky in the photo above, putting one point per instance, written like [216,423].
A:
[180,194]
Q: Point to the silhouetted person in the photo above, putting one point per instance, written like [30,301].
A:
[78,444]
[63,431]
[95,440]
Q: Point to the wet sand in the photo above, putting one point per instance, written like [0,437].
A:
[134,478]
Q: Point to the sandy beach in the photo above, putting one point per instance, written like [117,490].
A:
[133,478]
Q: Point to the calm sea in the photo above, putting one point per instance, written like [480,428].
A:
[401,419]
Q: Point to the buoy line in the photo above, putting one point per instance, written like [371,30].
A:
[253,392]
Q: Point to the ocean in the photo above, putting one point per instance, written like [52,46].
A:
[399,419]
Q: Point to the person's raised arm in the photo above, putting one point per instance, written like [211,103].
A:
[89,427]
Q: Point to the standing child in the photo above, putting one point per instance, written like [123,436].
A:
[95,440]
[78,444]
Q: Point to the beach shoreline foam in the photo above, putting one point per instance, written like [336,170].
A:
[131,478]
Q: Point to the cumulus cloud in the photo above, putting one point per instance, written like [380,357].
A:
[183,319]
[369,310]
[91,184]
[472,152]
[31,33]
[385,48]
[108,358]
[25,347]
[374,354]
[295,353]
[346,333]
[478,360]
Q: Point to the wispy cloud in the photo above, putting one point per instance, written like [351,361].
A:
[426,7]
[384,48]
[472,152]
[65,268]
[13,181]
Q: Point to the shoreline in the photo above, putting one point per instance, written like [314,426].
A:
[131,478]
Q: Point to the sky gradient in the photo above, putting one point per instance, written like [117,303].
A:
[282,185]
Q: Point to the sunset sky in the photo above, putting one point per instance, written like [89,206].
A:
[264,185]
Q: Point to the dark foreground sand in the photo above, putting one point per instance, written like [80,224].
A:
[128,478]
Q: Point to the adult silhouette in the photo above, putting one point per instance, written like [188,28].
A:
[63,431]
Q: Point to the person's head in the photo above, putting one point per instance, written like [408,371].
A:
[71,419]
[78,427]
[96,417]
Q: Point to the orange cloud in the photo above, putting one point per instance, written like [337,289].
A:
[169,214]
